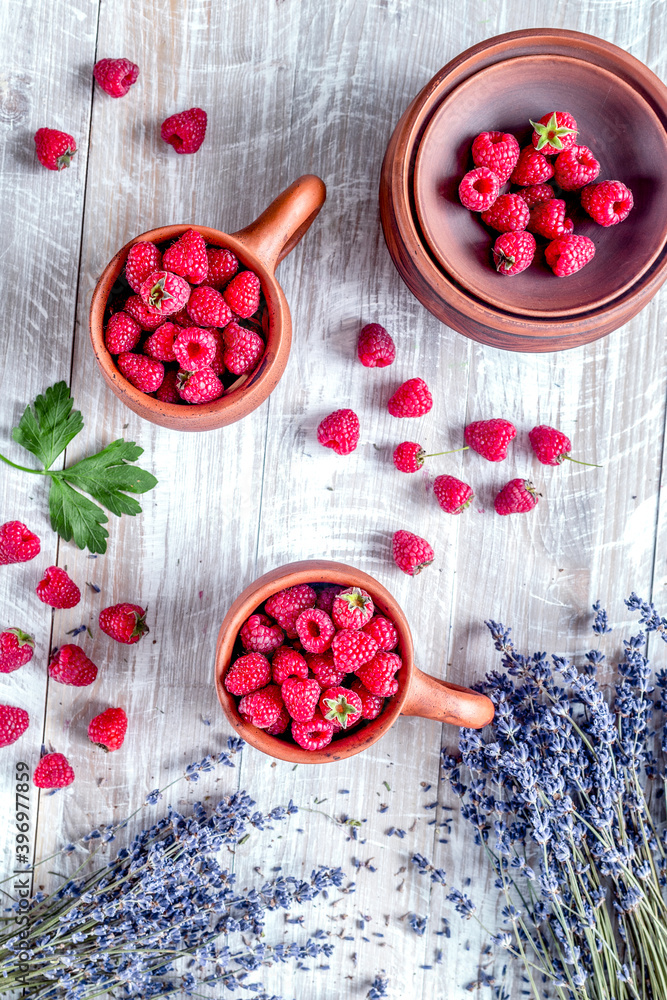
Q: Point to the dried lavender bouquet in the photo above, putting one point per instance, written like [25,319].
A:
[566,798]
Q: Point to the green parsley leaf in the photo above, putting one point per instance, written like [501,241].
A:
[107,477]
[48,429]
[74,516]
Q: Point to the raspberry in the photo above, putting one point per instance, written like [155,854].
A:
[187,258]
[551,446]
[479,189]
[262,708]
[142,260]
[281,723]
[125,622]
[554,132]
[206,307]
[168,393]
[608,202]
[313,735]
[548,219]
[352,649]
[139,311]
[16,649]
[165,293]
[490,438]
[514,252]
[498,151]
[17,543]
[516,497]
[107,730]
[286,662]
[411,553]
[70,665]
[409,456]
[242,294]
[248,673]
[53,771]
[508,213]
[182,318]
[144,373]
[218,364]
[371,704]
[341,706]
[115,76]
[57,589]
[287,605]
[352,608]
[452,494]
[122,333]
[535,193]
[13,724]
[315,630]
[412,399]
[326,597]
[378,675]
[54,149]
[160,344]
[339,431]
[569,253]
[301,697]
[186,130]
[195,348]
[202,386]
[242,348]
[383,631]
[322,665]
[575,167]
[260,634]
[531,168]
[375,348]
[222,265]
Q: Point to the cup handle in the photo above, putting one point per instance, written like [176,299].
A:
[431,698]
[280,226]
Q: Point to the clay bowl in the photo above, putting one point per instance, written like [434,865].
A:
[418,693]
[442,251]
[260,246]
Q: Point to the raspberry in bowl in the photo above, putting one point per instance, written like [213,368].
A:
[343,672]
[204,331]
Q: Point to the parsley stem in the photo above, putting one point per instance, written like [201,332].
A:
[23,468]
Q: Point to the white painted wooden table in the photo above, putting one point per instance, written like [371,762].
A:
[293,87]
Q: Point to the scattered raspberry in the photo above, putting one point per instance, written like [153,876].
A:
[339,431]
[202,386]
[508,213]
[552,447]
[514,252]
[352,649]
[242,294]
[478,189]
[115,76]
[54,149]
[281,723]
[17,543]
[341,706]
[124,622]
[371,704]
[107,730]
[375,348]
[122,333]
[206,307]
[535,193]
[185,131]
[139,311]
[378,675]
[222,265]
[322,665]
[53,771]
[286,662]
[411,553]
[575,167]
[165,293]
[195,348]
[301,697]
[57,590]
[568,254]
[160,345]
[554,132]
[531,168]
[168,392]
[383,631]
[326,597]
[13,724]
[242,348]
[548,219]
[315,630]
[248,673]
[498,151]
[260,634]
[262,708]
[412,399]
[352,608]
[452,494]
[187,257]
[313,735]
[490,438]
[516,497]
[16,649]
[144,373]
[287,605]
[70,665]
[409,456]
[142,260]
[608,202]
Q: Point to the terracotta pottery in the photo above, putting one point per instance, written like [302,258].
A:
[260,246]
[442,251]
[418,693]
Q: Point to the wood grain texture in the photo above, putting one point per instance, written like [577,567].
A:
[295,87]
